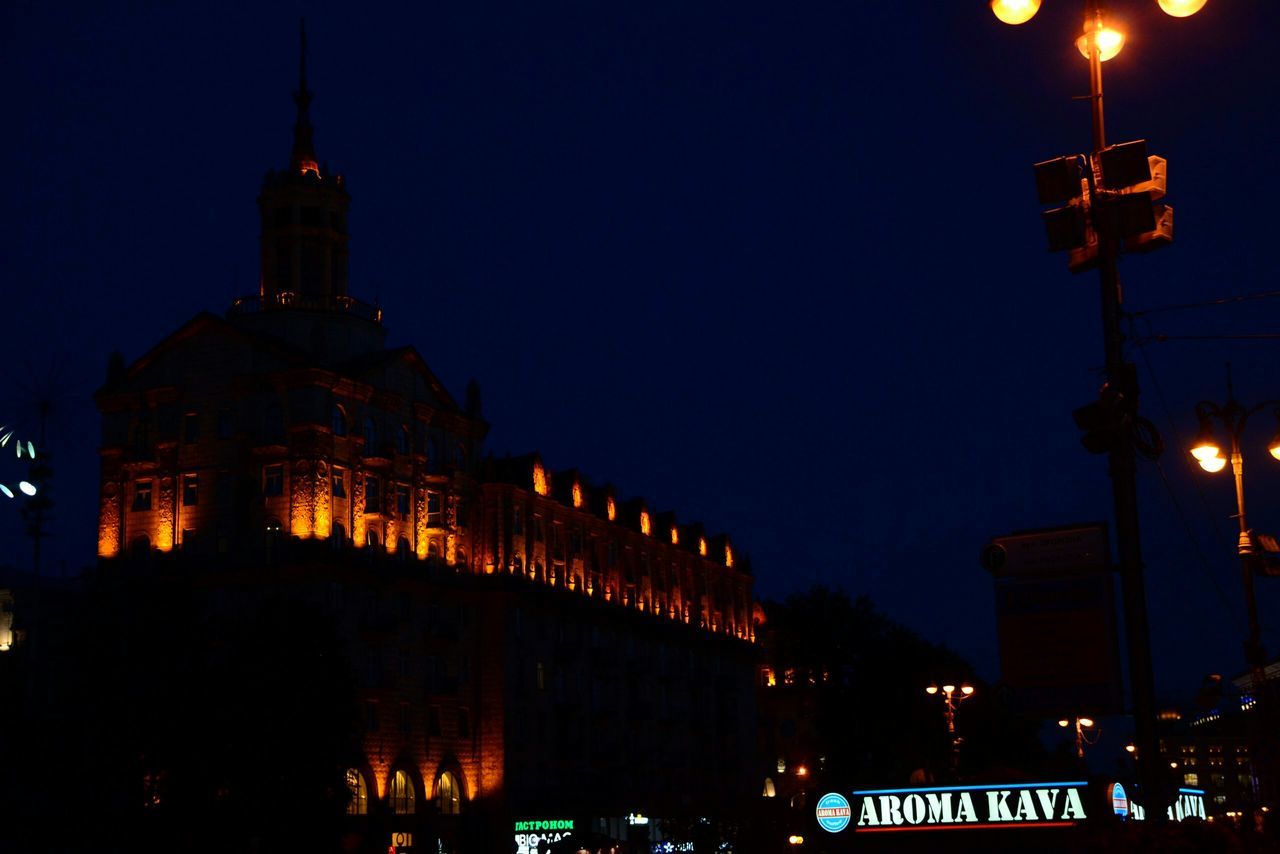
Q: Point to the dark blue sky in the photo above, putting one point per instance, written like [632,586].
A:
[778,267]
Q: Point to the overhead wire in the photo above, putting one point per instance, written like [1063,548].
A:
[1203,559]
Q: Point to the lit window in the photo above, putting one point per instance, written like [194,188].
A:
[359,803]
[191,427]
[769,790]
[142,495]
[1191,779]
[435,509]
[190,490]
[448,794]
[273,480]
[402,794]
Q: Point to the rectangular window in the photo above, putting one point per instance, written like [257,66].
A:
[539,534]
[188,539]
[191,428]
[540,676]
[224,424]
[190,490]
[1191,779]
[464,511]
[517,521]
[402,500]
[339,483]
[372,495]
[435,509]
[142,495]
[273,480]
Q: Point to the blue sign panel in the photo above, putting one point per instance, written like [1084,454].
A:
[834,812]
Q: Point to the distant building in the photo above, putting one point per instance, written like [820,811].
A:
[531,650]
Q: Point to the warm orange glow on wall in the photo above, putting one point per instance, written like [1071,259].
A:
[381,772]
[109,521]
[162,531]
[611,509]
[577,494]
[309,166]
[645,525]
[702,546]
[359,531]
[728,555]
[540,480]
[675,537]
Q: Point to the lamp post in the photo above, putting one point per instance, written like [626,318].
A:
[1099,43]
[1208,453]
[951,696]
[1081,726]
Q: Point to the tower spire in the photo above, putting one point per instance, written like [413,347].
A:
[304,155]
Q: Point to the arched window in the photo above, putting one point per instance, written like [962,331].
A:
[433,549]
[448,794]
[338,535]
[339,421]
[370,435]
[402,795]
[371,539]
[460,557]
[359,803]
[769,790]
[140,545]
[402,548]
[402,440]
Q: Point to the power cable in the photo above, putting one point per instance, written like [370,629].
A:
[1222,301]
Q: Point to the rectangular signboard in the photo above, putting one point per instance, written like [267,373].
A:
[974,807]
[1065,550]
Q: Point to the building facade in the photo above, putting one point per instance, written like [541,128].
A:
[526,646]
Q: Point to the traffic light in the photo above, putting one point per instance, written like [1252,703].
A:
[1105,420]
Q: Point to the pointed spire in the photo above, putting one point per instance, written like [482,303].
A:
[304,155]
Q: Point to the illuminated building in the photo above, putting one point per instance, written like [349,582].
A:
[527,645]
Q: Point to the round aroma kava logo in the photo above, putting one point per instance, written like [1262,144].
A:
[834,812]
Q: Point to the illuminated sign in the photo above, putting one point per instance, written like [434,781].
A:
[531,833]
[834,812]
[1190,804]
[1119,801]
[1020,805]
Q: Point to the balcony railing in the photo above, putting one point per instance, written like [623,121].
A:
[310,302]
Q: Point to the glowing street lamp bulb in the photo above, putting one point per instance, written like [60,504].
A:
[948,689]
[1206,449]
[1064,723]
[966,690]
[1019,11]
[1213,465]
[1109,43]
[932,689]
[1086,722]
[1275,447]
[1181,8]
[1131,748]
[27,488]
[8,493]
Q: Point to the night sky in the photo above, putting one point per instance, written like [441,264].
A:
[778,267]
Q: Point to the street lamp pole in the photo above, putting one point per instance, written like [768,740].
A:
[1098,43]
[950,700]
[1234,417]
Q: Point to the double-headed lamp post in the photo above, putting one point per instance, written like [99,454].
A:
[951,696]
[1099,42]
[1082,726]
[1207,451]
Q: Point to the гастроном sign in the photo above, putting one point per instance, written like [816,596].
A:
[1021,805]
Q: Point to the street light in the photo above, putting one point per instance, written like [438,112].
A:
[1208,453]
[1118,402]
[1234,416]
[1082,725]
[950,699]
